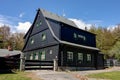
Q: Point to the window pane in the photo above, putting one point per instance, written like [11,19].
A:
[80,56]
[75,35]
[43,37]
[70,55]
[51,52]
[32,41]
[36,56]
[31,57]
[39,24]
[88,57]
[43,55]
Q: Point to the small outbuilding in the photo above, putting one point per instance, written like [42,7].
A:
[9,59]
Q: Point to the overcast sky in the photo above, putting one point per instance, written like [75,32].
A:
[19,14]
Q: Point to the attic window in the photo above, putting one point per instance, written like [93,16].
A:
[43,37]
[39,23]
[32,41]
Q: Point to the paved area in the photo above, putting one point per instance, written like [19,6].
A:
[51,75]
[74,75]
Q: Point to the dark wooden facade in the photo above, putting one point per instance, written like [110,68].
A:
[54,37]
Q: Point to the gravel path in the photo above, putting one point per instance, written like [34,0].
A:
[51,75]
[76,75]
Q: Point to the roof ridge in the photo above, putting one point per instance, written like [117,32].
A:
[56,17]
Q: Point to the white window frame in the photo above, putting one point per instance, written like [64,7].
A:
[39,23]
[32,41]
[31,56]
[43,55]
[44,36]
[80,56]
[36,56]
[70,55]
[89,57]
[51,51]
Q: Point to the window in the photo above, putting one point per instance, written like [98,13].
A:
[43,55]
[51,52]
[78,36]
[32,41]
[75,35]
[31,57]
[80,56]
[36,56]
[39,23]
[88,57]
[43,37]
[70,55]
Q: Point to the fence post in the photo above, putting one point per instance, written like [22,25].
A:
[22,62]
[55,62]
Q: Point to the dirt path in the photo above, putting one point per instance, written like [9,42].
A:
[76,75]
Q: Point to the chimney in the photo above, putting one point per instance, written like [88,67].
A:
[85,28]
[10,48]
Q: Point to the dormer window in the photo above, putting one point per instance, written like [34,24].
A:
[75,35]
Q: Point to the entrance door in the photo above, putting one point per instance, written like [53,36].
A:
[70,58]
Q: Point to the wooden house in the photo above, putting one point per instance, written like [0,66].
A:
[54,37]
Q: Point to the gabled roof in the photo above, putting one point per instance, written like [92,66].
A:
[6,52]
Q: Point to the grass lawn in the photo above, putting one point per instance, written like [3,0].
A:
[115,75]
[15,76]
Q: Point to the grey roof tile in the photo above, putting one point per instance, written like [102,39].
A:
[57,18]
[6,52]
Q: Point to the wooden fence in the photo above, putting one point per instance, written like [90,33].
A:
[38,65]
[112,63]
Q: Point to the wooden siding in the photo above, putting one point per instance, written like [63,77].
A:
[49,56]
[39,25]
[38,43]
[63,57]
[77,36]
[56,27]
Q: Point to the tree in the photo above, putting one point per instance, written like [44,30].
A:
[4,35]
[105,39]
[115,51]
[17,40]
[8,38]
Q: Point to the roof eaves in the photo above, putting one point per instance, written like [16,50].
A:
[78,45]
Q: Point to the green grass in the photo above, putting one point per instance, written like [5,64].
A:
[14,76]
[115,75]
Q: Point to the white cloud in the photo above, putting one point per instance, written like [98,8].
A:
[23,27]
[4,20]
[80,23]
[112,27]
[21,15]
[15,24]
